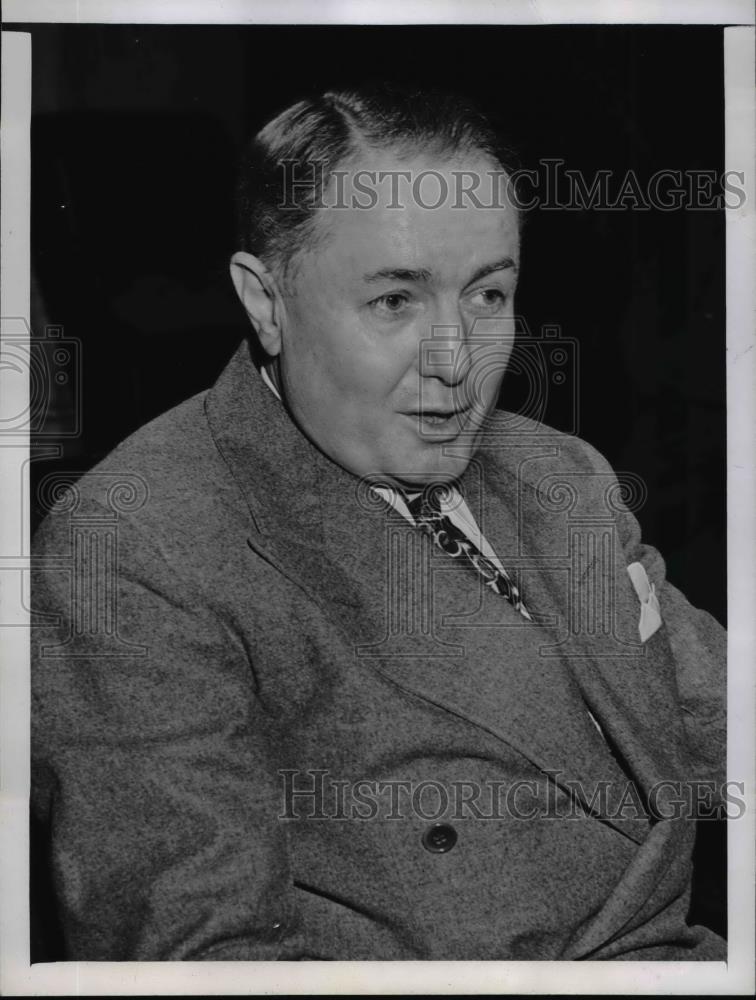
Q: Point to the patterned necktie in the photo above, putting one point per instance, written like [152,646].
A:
[426,510]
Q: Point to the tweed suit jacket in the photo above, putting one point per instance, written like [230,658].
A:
[270,721]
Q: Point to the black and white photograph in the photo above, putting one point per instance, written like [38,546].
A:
[378,551]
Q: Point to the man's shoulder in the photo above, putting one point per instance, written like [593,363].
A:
[520,446]
[166,441]
[166,478]
[167,452]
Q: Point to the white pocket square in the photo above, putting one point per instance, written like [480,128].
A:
[650,616]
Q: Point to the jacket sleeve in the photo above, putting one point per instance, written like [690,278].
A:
[697,641]
[152,762]
[699,649]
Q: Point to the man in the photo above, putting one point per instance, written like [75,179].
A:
[335,661]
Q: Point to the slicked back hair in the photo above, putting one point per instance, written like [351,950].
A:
[316,136]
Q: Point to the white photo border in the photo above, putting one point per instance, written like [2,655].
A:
[17,976]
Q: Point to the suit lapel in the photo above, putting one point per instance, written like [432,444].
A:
[279,474]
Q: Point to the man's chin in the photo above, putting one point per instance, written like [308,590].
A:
[439,469]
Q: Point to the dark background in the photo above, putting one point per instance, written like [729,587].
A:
[135,133]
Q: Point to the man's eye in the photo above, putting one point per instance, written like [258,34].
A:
[490,299]
[394,302]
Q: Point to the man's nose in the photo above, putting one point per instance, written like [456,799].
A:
[445,352]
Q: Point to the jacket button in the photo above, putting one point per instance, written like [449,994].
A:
[440,838]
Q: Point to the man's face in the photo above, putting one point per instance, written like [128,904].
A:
[398,324]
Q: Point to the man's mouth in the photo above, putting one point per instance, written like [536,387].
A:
[434,417]
[439,419]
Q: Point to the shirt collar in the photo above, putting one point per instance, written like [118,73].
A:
[269,382]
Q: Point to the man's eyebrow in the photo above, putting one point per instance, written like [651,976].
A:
[398,274]
[423,274]
[506,263]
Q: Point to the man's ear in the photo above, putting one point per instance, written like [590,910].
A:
[256,289]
